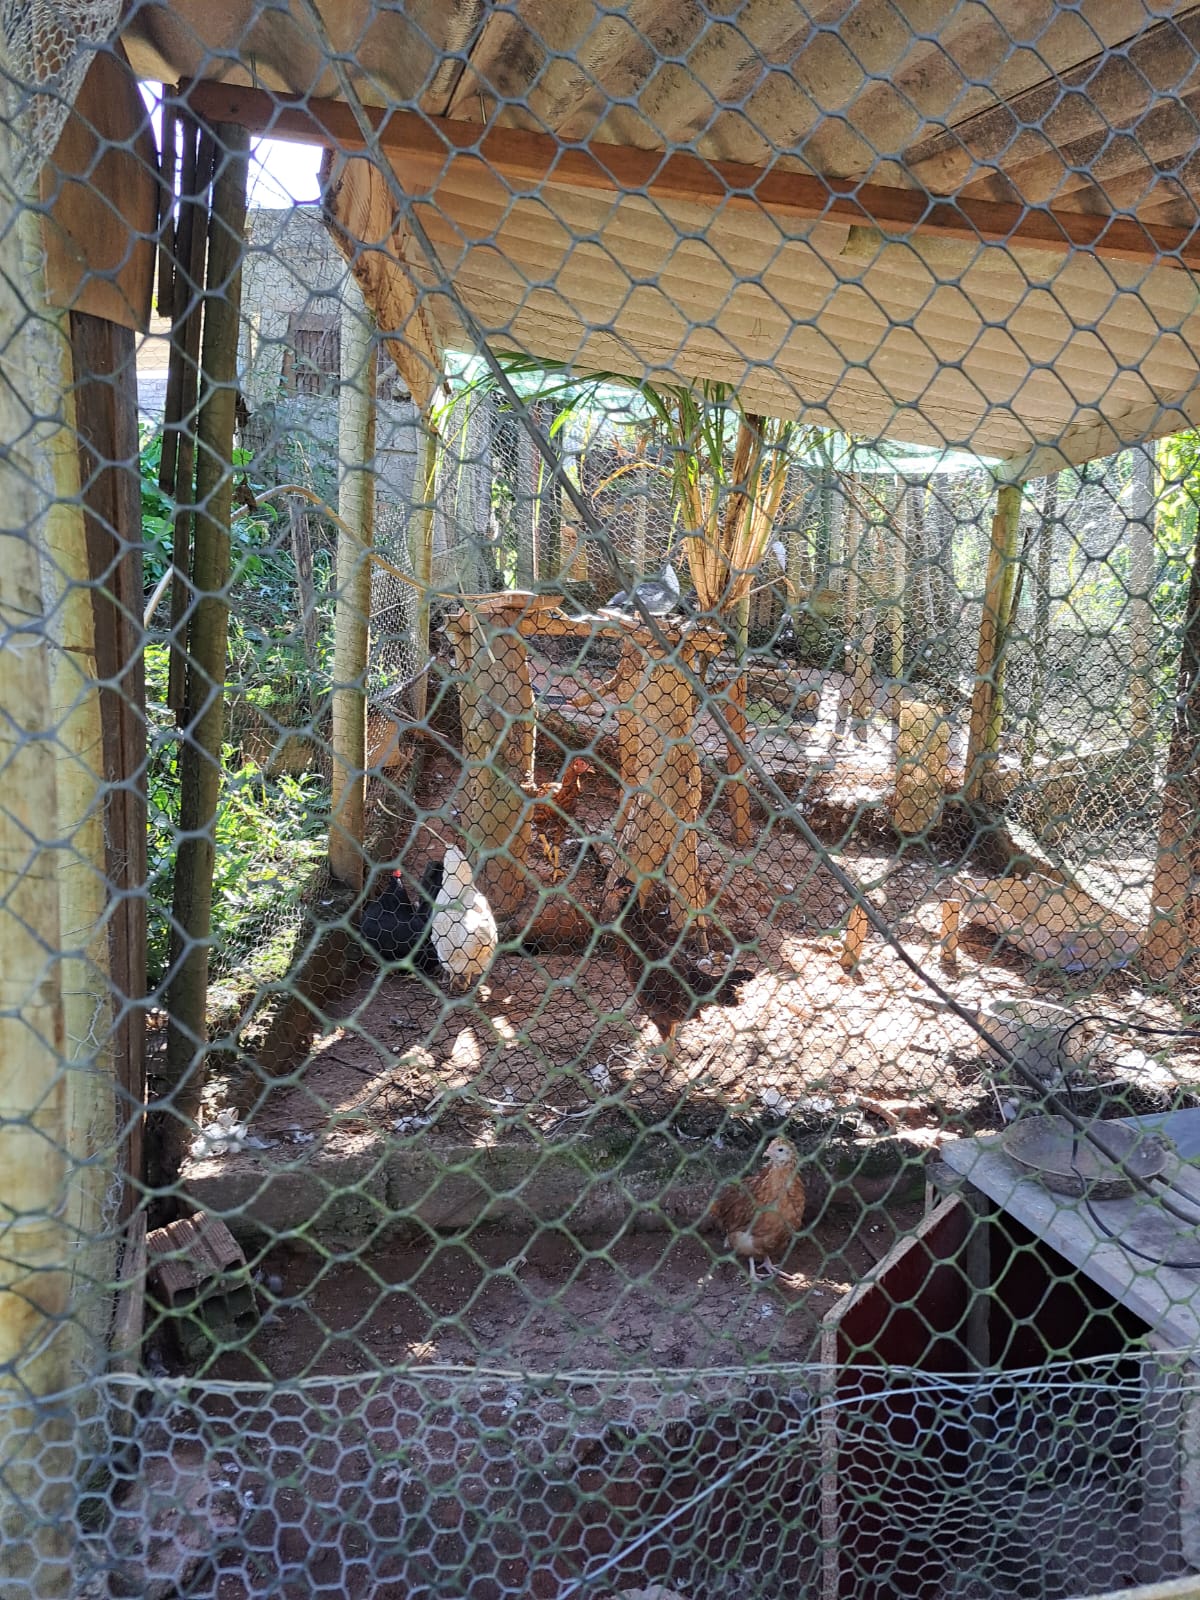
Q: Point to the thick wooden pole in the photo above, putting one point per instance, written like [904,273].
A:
[1141,590]
[36,1460]
[352,617]
[420,552]
[106,421]
[903,531]
[997,601]
[1041,621]
[741,825]
[495,697]
[1173,938]
[177,465]
[86,985]
[204,713]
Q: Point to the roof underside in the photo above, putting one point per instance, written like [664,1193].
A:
[934,340]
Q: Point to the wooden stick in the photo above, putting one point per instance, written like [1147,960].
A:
[949,950]
[427,150]
[855,938]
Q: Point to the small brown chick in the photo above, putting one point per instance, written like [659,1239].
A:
[553,804]
[667,984]
[759,1215]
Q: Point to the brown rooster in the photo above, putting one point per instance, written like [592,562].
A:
[760,1215]
[553,804]
[667,984]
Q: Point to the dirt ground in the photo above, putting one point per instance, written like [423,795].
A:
[555,1303]
[554,1037]
[495,1412]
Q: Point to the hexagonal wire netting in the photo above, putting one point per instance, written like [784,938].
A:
[598,867]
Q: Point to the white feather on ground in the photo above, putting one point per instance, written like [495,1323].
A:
[464,929]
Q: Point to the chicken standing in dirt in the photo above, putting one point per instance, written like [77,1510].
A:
[464,929]
[667,984]
[554,803]
[760,1215]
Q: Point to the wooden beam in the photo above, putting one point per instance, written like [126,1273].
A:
[106,424]
[1001,574]
[1105,436]
[424,149]
[352,613]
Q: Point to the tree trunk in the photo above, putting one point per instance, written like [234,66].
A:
[1141,592]
[352,616]
[986,707]
[1173,938]
[204,713]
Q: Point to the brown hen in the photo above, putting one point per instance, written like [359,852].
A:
[760,1215]
[554,803]
[667,984]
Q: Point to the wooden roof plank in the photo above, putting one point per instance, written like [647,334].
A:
[424,150]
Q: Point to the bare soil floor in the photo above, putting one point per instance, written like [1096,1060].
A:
[554,1036]
[493,1410]
[515,1410]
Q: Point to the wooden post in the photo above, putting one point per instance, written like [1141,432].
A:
[855,938]
[1173,938]
[524,506]
[641,517]
[495,697]
[1141,589]
[420,553]
[204,715]
[660,773]
[36,1423]
[741,827]
[306,596]
[997,600]
[351,624]
[1041,622]
[922,752]
[948,954]
[106,423]
[177,464]
[903,528]
[862,700]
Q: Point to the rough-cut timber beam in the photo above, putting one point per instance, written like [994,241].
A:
[425,148]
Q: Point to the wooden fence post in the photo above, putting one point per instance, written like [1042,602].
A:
[352,615]
[986,705]
[203,727]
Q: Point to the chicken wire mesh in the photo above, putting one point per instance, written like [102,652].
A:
[598,842]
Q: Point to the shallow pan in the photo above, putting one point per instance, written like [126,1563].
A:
[1050,1150]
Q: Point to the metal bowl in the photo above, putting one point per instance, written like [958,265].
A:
[1049,1149]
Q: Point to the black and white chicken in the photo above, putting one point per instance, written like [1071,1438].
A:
[396,925]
